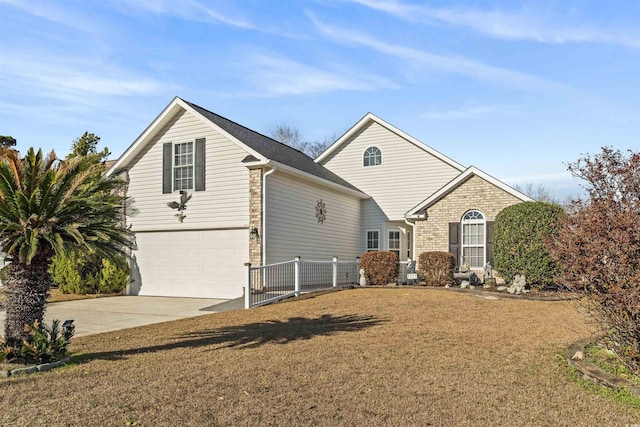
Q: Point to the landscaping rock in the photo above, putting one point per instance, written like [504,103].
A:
[27,370]
[518,285]
[464,284]
[501,288]
[490,282]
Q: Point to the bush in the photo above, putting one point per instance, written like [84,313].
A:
[81,274]
[113,277]
[380,267]
[598,246]
[519,238]
[47,343]
[65,272]
[436,268]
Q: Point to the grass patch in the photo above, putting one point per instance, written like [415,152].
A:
[361,357]
[610,362]
[620,395]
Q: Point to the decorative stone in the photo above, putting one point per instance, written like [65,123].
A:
[4,374]
[27,370]
[464,284]
[488,271]
[363,278]
[518,285]
[501,288]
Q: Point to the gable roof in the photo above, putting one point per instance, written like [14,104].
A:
[370,117]
[262,148]
[461,179]
[272,149]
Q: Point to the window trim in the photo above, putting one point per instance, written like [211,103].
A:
[173,166]
[366,240]
[364,153]
[397,251]
[464,245]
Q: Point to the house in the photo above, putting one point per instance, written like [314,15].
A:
[250,198]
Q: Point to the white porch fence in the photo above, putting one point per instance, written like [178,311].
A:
[274,282]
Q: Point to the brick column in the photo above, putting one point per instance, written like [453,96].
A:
[255,216]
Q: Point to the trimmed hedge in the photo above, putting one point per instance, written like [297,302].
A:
[519,242]
[436,268]
[380,267]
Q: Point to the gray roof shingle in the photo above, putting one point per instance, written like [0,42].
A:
[272,149]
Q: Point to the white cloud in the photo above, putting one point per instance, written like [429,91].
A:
[466,112]
[522,25]
[448,63]
[190,10]
[275,76]
[65,77]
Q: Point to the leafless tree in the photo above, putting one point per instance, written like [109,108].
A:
[291,136]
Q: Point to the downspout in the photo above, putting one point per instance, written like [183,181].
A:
[264,213]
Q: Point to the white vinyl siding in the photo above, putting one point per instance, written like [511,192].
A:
[407,176]
[292,228]
[224,203]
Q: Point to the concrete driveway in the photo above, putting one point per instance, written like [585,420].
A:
[96,315]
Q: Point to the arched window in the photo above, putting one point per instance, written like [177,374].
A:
[473,239]
[372,157]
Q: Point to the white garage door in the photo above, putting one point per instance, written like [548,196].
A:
[200,264]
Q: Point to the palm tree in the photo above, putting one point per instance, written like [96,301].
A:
[48,206]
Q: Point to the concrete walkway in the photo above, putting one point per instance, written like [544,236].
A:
[96,315]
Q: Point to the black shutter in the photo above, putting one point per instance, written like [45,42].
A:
[167,166]
[199,164]
[490,241]
[454,240]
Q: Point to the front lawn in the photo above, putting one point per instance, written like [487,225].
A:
[362,357]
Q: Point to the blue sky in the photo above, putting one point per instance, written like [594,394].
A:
[515,88]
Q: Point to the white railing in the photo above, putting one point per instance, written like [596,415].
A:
[274,282]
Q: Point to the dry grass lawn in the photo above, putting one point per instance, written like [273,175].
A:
[394,357]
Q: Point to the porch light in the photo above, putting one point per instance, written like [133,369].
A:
[253,233]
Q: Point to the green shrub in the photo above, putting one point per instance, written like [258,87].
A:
[81,274]
[380,267]
[65,272]
[519,240]
[113,277]
[436,268]
[47,343]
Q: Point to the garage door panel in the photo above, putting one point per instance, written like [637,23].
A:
[203,264]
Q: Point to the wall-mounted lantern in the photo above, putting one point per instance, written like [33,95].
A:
[253,234]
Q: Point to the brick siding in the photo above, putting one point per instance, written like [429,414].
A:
[432,233]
